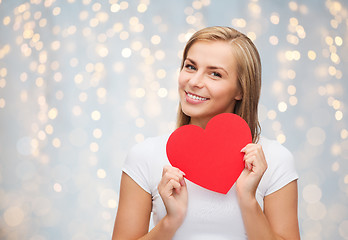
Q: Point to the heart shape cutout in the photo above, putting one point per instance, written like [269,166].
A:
[211,157]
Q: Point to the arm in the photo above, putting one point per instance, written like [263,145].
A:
[134,210]
[280,209]
[279,219]
[135,204]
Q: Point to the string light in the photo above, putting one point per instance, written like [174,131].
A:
[76,92]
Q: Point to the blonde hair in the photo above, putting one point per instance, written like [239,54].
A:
[249,73]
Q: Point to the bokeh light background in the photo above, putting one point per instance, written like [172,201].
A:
[82,81]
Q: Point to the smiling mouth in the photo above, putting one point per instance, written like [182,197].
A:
[196,97]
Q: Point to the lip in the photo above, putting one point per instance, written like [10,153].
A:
[197,100]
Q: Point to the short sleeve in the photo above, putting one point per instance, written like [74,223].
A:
[281,168]
[137,167]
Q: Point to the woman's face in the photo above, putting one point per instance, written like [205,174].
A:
[208,83]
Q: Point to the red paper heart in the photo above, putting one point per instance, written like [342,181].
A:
[211,158]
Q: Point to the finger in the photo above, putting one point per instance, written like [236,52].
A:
[247,150]
[166,168]
[254,148]
[179,186]
[248,166]
[180,178]
[167,176]
[183,183]
[250,162]
[249,157]
[170,176]
[248,146]
[254,153]
[256,164]
[257,155]
[167,184]
[172,169]
[177,172]
[172,184]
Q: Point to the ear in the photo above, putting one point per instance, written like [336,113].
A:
[239,96]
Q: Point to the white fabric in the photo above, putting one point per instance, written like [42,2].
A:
[210,215]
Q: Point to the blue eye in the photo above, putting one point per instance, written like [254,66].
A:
[190,67]
[216,74]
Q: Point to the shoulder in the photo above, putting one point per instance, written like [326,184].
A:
[274,151]
[281,166]
[149,146]
[151,152]
[144,162]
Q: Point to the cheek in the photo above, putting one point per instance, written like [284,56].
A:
[216,88]
[222,92]
[181,80]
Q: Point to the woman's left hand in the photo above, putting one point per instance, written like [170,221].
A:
[255,166]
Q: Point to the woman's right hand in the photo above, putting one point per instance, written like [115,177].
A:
[173,191]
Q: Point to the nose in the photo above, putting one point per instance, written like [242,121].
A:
[197,80]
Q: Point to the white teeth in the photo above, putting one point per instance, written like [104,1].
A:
[196,97]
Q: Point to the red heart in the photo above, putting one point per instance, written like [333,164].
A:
[211,158]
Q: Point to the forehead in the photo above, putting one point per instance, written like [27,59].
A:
[212,53]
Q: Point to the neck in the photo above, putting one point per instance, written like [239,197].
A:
[200,122]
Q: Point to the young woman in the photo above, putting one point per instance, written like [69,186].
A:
[220,72]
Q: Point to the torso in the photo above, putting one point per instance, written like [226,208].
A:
[210,215]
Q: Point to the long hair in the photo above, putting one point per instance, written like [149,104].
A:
[249,73]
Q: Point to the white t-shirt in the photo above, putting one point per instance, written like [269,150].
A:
[210,215]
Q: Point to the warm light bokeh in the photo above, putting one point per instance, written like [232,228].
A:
[81,81]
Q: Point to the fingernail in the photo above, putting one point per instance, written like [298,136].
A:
[182,173]
[243,149]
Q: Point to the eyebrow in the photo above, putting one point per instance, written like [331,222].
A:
[209,67]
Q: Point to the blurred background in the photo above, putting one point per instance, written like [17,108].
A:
[82,81]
